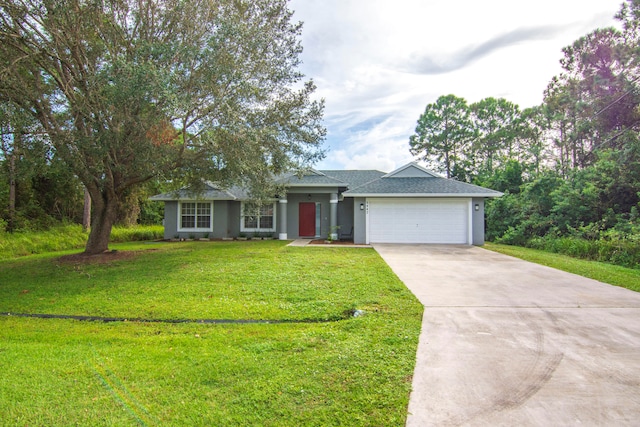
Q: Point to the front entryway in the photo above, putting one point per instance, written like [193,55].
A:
[307,219]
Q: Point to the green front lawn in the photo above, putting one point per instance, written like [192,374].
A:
[331,369]
[607,273]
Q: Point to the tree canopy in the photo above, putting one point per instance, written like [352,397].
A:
[129,91]
[442,132]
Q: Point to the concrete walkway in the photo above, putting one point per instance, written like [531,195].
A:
[307,242]
[505,342]
[300,242]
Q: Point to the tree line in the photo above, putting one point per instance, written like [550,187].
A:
[568,167]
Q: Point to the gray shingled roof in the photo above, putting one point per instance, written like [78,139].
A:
[314,178]
[360,183]
[210,192]
[355,178]
[419,186]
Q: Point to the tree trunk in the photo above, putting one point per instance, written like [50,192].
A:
[103,215]
[447,164]
[129,210]
[86,213]
[12,192]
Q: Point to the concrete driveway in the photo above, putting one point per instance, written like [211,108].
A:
[505,342]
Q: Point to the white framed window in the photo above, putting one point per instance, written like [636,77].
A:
[258,218]
[195,216]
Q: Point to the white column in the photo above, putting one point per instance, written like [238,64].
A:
[333,219]
[283,219]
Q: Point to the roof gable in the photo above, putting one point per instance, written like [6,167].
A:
[412,170]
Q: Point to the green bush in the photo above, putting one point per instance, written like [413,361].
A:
[137,233]
[65,237]
[623,252]
[59,238]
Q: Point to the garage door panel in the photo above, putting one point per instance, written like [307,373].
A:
[418,221]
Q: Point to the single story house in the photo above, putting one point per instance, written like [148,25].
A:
[408,205]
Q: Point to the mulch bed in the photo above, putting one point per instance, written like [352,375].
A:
[103,258]
[335,242]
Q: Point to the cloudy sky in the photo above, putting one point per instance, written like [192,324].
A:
[378,63]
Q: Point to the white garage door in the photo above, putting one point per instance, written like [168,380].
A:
[418,221]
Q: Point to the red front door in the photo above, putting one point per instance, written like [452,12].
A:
[307,220]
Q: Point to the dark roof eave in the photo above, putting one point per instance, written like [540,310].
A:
[183,198]
[332,185]
[424,195]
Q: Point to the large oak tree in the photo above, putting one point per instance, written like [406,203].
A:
[131,90]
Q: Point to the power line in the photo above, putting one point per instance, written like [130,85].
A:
[618,99]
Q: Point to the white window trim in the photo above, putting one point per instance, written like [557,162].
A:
[195,230]
[258,230]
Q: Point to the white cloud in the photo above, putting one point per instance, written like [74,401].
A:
[378,63]
[379,145]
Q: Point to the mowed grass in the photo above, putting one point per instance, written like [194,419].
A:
[353,371]
[607,273]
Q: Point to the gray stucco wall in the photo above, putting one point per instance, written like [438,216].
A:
[359,220]
[233,219]
[220,219]
[170,219]
[477,221]
[345,216]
